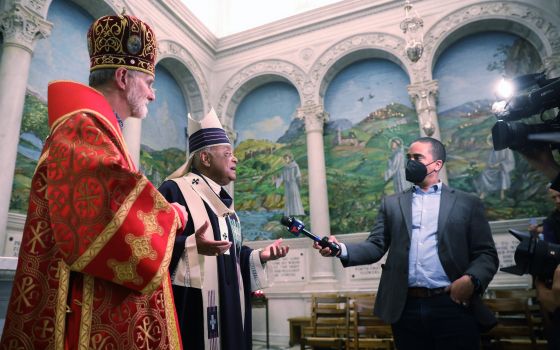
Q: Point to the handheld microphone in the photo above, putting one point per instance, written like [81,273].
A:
[296,227]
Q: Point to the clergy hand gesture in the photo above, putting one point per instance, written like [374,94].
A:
[209,247]
[274,251]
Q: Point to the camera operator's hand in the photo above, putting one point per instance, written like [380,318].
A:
[540,157]
[549,298]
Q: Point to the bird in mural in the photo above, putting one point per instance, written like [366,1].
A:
[371,95]
[361,99]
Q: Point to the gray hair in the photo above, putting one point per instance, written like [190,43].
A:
[101,77]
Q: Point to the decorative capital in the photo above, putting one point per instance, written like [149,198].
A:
[314,117]
[22,26]
[424,95]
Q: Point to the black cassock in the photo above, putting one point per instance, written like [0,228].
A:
[188,301]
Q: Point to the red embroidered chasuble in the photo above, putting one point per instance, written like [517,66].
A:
[96,246]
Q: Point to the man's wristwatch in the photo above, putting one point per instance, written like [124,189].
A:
[476,283]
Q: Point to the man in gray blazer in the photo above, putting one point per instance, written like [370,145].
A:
[442,257]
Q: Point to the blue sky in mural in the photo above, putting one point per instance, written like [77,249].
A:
[167,115]
[266,112]
[472,55]
[364,87]
[69,60]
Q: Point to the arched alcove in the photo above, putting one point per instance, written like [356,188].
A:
[347,51]
[270,146]
[184,68]
[251,77]
[515,18]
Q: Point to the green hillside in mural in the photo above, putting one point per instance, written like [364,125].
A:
[356,159]
[157,165]
[34,129]
[355,170]
[468,140]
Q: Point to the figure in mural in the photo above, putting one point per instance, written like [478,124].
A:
[97,243]
[496,175]
[217,313]
[291,177]
[441,257]
[396,166]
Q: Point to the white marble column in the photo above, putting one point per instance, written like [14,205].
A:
[21,27]
[314,117]
[132,133]
[423,95]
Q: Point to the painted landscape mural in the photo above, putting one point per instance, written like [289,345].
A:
[164,140]
[467,74]
[371,122]
[272,173]
[163,146]
[50,61]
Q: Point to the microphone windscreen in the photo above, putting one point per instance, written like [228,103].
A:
[285,221]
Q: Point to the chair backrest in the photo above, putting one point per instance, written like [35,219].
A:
[368,331]
[515,312]
[329,314]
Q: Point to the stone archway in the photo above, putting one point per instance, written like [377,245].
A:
[180,63]
[525,21]
[347,51]
[251,77]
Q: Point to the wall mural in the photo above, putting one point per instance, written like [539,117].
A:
[272,169]
[371,122]
[62,56]
[164,140]
[467,73]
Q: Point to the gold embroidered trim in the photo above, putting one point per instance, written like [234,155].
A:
[87,309]
[125,271]
[105,121]
[61,307]
[163,267]
[110,230]
[170,315]
[43,157]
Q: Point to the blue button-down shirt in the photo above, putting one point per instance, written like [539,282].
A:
[424,266]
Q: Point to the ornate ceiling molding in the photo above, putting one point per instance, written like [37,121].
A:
[268,68]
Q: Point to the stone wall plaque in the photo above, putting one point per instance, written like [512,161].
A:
[291,268]
[366,272]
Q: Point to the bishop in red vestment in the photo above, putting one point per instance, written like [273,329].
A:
[96,246]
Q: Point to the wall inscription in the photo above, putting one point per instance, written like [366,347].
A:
[290,268]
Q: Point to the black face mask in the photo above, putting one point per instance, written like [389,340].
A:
[416,171]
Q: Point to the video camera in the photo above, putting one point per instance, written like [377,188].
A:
[543,95]
[534,256]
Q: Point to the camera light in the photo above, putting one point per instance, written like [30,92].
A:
[505,89]
[499,107]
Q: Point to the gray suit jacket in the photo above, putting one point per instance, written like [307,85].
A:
[465,245]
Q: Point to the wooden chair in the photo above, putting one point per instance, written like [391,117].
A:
[329,322]
[367,330]
[518,321]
